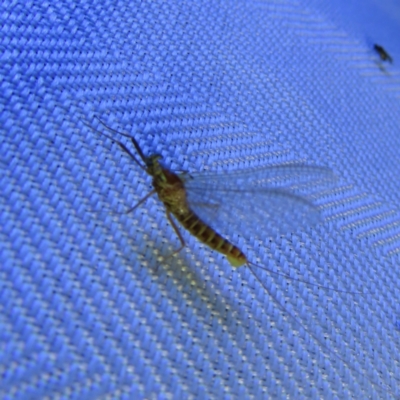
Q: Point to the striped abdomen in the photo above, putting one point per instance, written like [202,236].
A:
[211,238]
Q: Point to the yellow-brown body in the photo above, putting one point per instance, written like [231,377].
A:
[171,191]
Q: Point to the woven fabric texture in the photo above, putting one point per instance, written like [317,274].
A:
[94,304]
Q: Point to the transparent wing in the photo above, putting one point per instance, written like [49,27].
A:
[259,203]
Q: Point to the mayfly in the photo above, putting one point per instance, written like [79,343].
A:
[184,195]
[181,194]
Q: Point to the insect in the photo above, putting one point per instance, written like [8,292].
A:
[183,196]
[385,56]
[172,190]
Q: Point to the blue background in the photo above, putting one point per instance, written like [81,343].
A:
[90,309]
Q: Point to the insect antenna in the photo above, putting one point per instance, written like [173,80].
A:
[120,144]
[134,141]
[131,155]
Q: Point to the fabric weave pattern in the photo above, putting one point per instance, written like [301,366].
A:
[91,305]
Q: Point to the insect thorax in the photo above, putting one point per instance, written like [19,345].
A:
[170,189]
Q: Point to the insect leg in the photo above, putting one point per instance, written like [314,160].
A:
[140,201]
[176,229]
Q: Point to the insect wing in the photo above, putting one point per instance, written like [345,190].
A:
[259,203]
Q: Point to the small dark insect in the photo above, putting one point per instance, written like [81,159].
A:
[385,56]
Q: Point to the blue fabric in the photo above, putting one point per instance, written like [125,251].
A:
[92,304]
